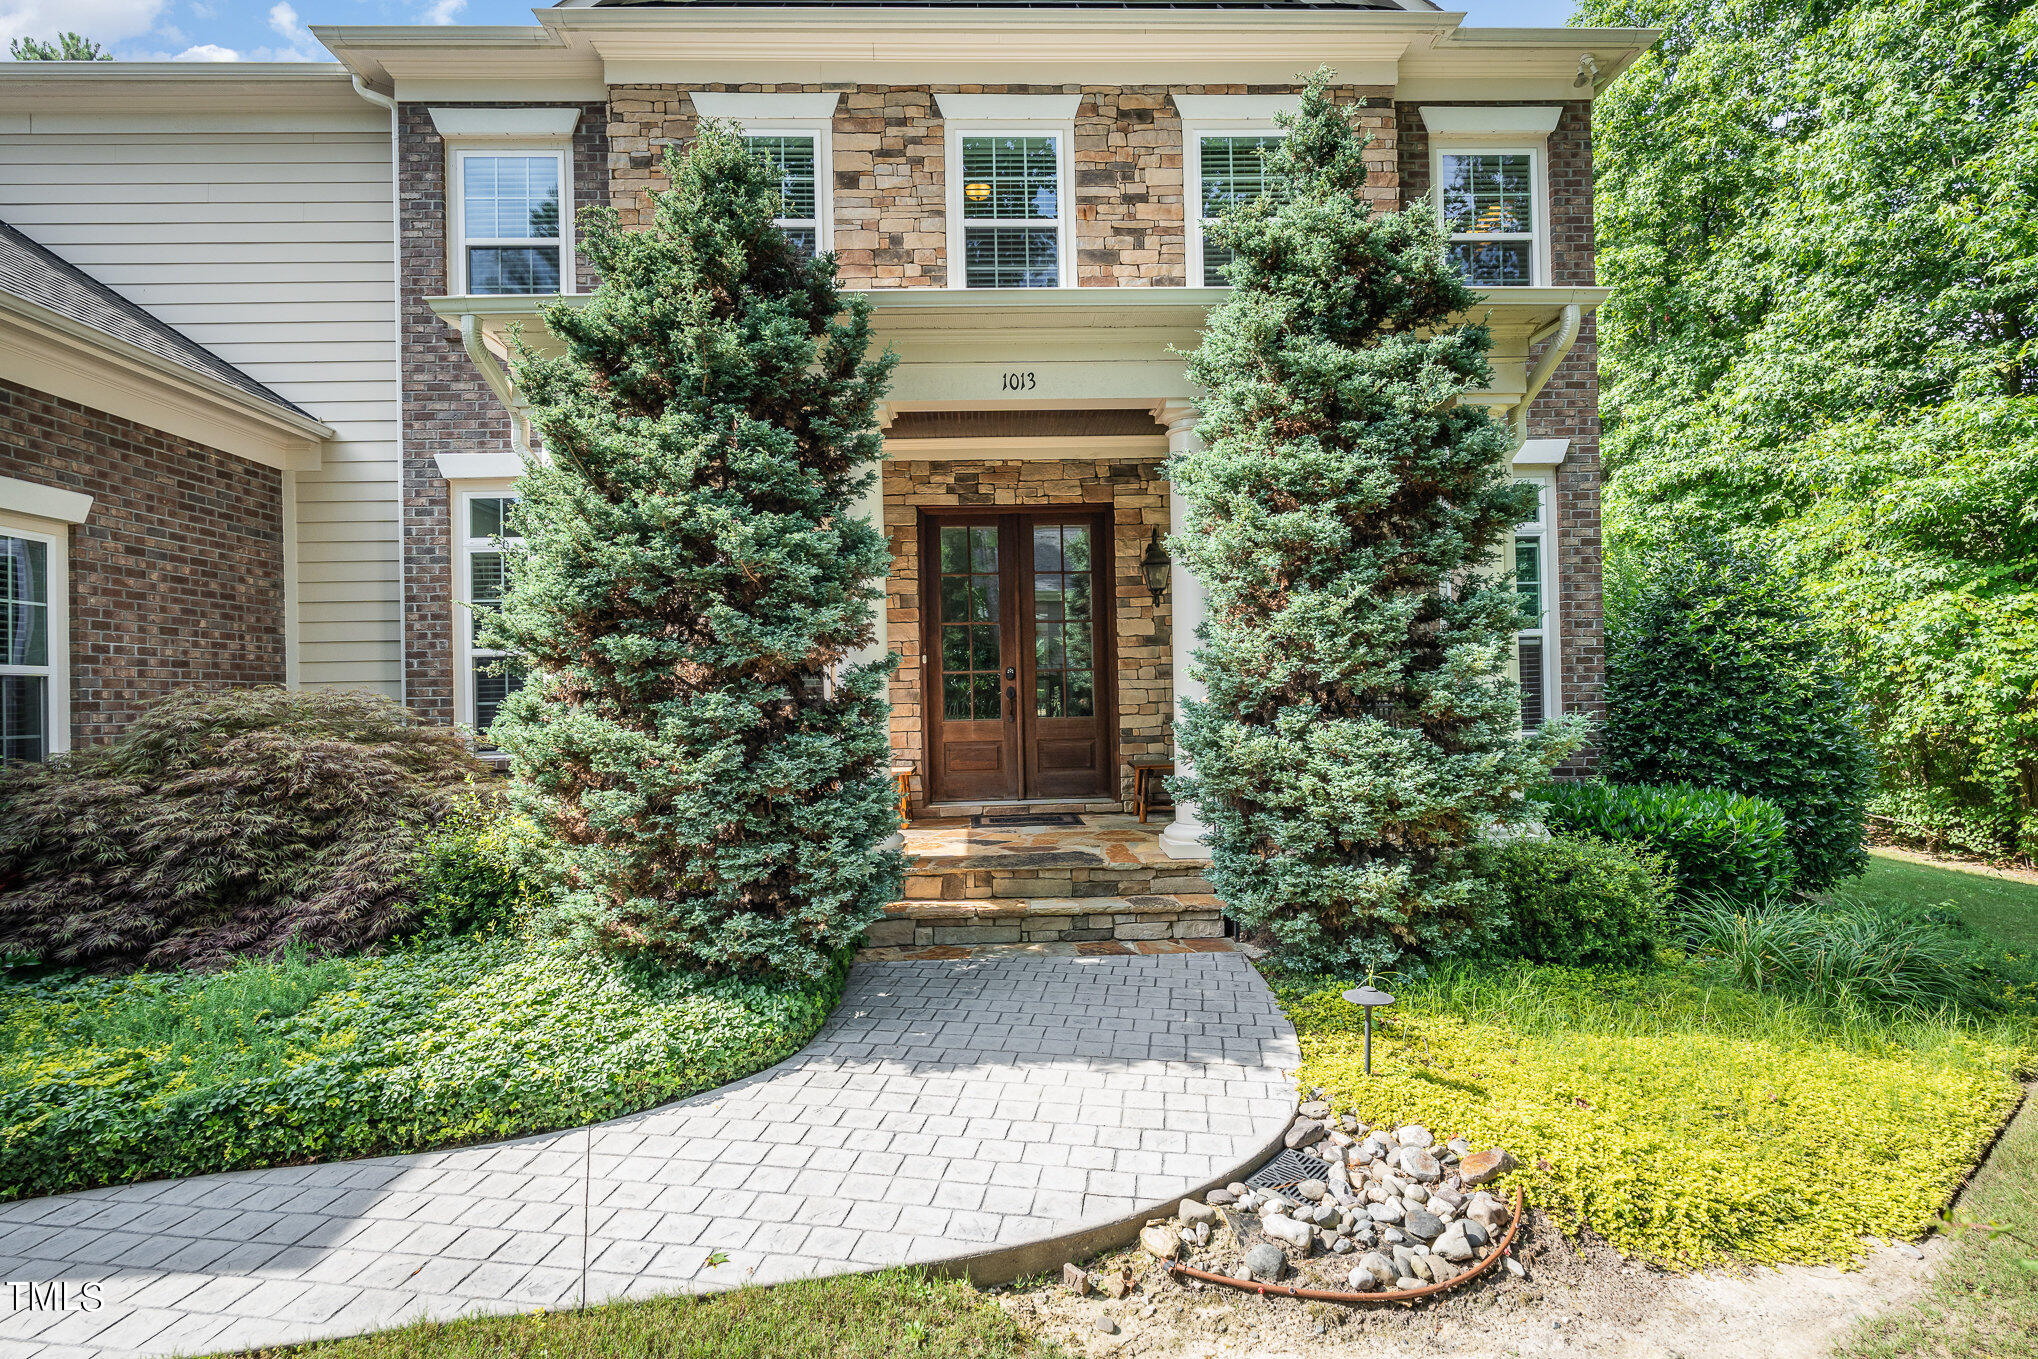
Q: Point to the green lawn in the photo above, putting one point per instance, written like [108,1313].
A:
[2002,908]
[864,1316]
[1984,1303]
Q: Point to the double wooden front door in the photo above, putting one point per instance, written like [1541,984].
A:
[1017,614]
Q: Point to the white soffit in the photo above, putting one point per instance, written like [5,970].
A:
[504,124]
[1009,108]
[1542,452]
[1476,120]
[1221,108]
[480,466]
[762,107]
[38,501]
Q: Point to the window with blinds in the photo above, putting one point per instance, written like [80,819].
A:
[1231,171]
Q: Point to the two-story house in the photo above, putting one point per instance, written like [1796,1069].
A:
[256,422]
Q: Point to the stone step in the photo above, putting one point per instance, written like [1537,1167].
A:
[1081,875]
[1025,920]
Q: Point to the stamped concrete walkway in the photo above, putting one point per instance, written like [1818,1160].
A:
[949,1109]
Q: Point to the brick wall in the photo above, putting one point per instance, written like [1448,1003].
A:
[177,574]
[891,204]
[1139,501]
[1567,407]
[447,408]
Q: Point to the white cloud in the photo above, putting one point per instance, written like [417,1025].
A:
[283,19]
[444,11]
[209,51]
[105,20]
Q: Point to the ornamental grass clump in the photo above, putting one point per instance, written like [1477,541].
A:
[1361,733]
[222,825]
[707,762]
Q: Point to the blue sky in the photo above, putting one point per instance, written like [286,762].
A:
[275,30]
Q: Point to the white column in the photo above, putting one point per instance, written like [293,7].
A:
[1183,838]
[870,507]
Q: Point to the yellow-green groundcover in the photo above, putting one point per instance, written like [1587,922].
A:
[1685,1123]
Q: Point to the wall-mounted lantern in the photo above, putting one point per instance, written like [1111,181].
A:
[1368,996]
[1153,565]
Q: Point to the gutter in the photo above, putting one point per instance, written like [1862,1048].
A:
[1567,327]
[381,100]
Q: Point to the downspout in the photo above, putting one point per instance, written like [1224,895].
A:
[499,383]
[396,358]
[1560,348]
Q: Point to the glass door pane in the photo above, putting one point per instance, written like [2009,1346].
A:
[1064,682]
[970,638]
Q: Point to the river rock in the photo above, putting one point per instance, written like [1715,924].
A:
[1421,1223]
[1265,1261]
[1162,1243]
[1296,1234]
[1193,1212]
[1315,1108]
[1220,1198]
[1380,1266]
[1418,1164]
[1488,1212]
[1483,1167]
[1415,1193]
[1458,1147]
[1341,1245]
[1454,1245]
[1374,1147]
[1475,1233]
[1311,1190]
[1389,1211]
[1413,1135]
[1271,1203]
[1305,1133]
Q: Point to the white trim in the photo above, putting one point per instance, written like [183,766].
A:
[1026,448]
[292,582]
[1542,453]
[1234,108]
[743,108]
[468,124]
[1192,177]
[1064,134]
[462,620]
[1008,108]
[32,499]
[465,467]
[456,205]
[1487,120]
[1538,151]
[57,536]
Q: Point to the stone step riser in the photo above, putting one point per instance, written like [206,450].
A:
[1048,920]
[927,884]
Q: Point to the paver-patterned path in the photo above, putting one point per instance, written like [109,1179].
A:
[948,1108]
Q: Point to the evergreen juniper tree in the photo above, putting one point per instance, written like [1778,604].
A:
[1360,733]
[712,773]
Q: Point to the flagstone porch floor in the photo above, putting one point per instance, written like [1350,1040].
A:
[1115,840]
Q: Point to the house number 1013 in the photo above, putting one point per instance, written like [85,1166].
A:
[1018,382]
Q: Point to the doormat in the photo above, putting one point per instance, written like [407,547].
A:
[1013,820]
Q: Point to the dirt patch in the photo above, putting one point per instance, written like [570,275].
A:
[1577,1298]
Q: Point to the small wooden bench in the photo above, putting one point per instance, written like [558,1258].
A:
[1147,773]
[902,774]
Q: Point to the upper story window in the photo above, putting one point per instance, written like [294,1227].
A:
[1227,169]
[794,159]
[512,230]
[1011,210]
[487,675]
[1008,190]
[1491,215]
[1489,165]
[509,190]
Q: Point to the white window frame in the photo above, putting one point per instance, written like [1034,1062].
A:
[465,653]
[1063,130]
[1192,162]
[821,130]
[1543,528]
[56,675]
[457,155]
[1498,130]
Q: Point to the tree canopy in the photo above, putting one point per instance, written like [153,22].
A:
[66,46]
[1822,344]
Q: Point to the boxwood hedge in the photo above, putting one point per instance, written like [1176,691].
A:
[1719,844]
[106,1080]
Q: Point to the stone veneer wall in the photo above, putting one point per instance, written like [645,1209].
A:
[1567,407]
[1139,499]
[447,408]
[891,201]
[177,573]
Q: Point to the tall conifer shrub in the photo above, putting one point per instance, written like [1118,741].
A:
[713,776]
[1360,731]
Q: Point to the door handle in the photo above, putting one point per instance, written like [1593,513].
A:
[1012,703]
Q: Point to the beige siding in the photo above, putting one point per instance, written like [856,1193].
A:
[273,249]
